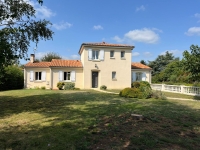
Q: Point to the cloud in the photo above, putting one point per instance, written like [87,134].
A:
[62,25]
[147,54]
[193,31]
[141,8]
[98,27]
[175,52]
[77,57]
[39,55]
[135,54]
[197,15]
[118,39]
[41,11]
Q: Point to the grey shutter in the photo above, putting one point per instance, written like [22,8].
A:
[143,76]
[133,76]
[43,75]
[73,76]
[89,54]
[101,55]
[31,76]
[60,75]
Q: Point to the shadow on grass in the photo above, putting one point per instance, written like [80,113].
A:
[92,120]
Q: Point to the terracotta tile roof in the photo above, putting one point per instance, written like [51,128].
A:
[65,63]
[56,63]
[139,66]
[38,64]
[105,44]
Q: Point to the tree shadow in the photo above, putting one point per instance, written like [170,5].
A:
[87,120]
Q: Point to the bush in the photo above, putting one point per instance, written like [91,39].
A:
[103,87]
[76,88]
[60,85]
[140,90]
[158,95]
[135,84]
[69,86]
[43,87]
[11,77]
[36,87]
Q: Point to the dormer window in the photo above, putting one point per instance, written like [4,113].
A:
[95,54]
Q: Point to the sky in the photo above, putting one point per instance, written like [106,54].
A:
[152,26]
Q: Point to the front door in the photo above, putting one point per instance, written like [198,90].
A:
[94,79]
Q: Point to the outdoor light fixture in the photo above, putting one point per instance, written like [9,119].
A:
[95,66]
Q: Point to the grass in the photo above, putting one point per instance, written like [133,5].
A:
[114,90]
[177,95]
[45,119]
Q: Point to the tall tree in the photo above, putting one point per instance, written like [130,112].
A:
[191,62]
[160,62]
[49,56]
[143,62]
[19,27]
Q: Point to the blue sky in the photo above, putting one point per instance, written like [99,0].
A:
[152,26]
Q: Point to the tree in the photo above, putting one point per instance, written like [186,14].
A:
[191,62]
[13,78]
[49,56]
[19,28]
[143,62]
[160,62]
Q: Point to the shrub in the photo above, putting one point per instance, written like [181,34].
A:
[135,84]
[76,88]
[69,86]
[158,95]
[60,85]
[145,83]
[145,89]
[11,77]
[125,92]
[36,87]
[43,87]
[103,87]
[134,93]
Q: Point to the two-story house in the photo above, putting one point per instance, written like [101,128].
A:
[100,64]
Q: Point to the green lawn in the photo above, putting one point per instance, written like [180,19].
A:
[46,119]
[184,96]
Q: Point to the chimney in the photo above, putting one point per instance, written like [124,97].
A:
[32,58]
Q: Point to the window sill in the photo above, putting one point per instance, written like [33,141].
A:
[38,81]
[123,58]
[66,81]
[112,57]
[114,79]
[96,60]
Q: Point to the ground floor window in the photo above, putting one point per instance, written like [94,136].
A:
[67,75]
[138,76]
[38,75]
[113,75]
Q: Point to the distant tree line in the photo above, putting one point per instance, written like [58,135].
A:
[168,69]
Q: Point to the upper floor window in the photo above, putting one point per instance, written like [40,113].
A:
[95,54]
[122,54]
[111,54]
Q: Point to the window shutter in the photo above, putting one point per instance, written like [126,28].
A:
[73,76]
[101,55]
[133,76]
[89,54]
[143,76]
[60,75]
[43,75]
[31,75]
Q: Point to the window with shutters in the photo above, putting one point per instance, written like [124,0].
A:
[38,75]
[95,54]
[138,76]
[67,76]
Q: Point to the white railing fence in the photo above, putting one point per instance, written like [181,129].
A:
[182,89]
